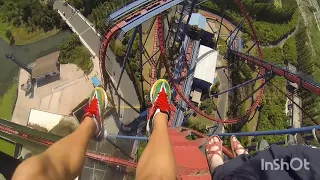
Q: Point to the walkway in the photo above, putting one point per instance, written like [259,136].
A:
[222,106]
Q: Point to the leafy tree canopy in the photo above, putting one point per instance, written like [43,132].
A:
[31,13]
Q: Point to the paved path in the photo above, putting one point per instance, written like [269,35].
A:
[222,105]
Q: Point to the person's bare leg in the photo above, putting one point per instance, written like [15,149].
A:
[157,160]
[65,158]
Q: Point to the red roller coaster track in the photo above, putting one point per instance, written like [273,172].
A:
[45,142]
[153,64]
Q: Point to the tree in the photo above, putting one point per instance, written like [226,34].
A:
[78,4]
[30,13]
[72,51]
[8,34]
[207,105]
[215,88]
[246,38]
[290,51]
[195,125]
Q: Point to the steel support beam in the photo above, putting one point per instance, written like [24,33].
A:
[235,36]
[141,67]
[220,29]
[127,55]
[149,30]
[243,84]
[210,27]
[259,133]
[238,27]
[250,48]
[275,132]
[146,52]
[148,60]
[256,90]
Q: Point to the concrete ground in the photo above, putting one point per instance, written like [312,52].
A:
[59,96]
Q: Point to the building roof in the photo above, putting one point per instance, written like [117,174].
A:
[206,65]
[95,81]
[196,95]
[198,20]
[45,65]
[43,119]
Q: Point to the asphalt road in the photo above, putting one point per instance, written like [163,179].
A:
[128,97]
[223,98]
[222,105]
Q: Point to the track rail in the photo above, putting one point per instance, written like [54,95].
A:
[308,84]
[46,142]
[184,70]
[153,64]
[186,65]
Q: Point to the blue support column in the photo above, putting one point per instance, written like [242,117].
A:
[124,62]
[259,133]
[230,44]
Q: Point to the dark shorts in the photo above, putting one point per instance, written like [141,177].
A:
[273,163]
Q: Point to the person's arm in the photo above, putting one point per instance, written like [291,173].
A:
[63,160]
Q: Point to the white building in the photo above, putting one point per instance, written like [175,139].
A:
[41,119]
[204,74]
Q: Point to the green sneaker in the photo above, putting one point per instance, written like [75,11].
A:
[316,135]
[262,145]
[95,110]
[160,96]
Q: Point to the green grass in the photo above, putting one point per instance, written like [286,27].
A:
[277,3]
[7,102]
[7,147]
[202,120]
[22,36]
